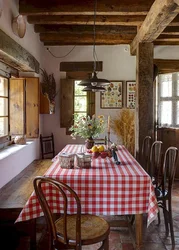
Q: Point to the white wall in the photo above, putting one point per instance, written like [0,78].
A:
[12,165]
[117,65]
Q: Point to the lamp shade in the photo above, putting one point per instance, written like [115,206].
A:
[94,89]
[94,81]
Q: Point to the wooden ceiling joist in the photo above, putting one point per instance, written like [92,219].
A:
[71,29]
[87,20]
[117,22]
[86,38]
[84,7]
[160,15]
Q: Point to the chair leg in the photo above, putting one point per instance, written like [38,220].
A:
[106,244]
[171,224]
[165,213]
[159,218]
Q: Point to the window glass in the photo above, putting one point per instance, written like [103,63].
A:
[166,112]
[166,85]
[3,106]
[177,113]
[80,101]
[3,126]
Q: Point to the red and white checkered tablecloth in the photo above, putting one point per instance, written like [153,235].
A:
[104,189]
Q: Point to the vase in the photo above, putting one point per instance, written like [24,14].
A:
[89,143]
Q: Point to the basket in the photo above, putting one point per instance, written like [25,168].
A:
[66,160]
[84,160]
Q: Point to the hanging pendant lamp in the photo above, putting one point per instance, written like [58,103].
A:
[94,88]
[96,82]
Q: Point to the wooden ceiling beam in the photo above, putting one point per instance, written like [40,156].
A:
[167,66]
[155,22]
[84,7]
[86,43]
[70,29]
[87,20]
[85,38]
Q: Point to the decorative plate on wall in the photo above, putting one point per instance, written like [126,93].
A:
[19,26]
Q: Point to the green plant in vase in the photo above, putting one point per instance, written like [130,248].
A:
[88,128]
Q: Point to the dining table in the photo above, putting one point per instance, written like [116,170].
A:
[105,188]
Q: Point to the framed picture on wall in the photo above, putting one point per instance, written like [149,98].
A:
[112,97]
[131,94]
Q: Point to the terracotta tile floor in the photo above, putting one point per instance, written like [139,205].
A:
[122,238]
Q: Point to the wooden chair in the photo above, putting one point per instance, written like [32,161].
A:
[47,146]
[164,190]
[74,230]
[145,153]
[155,161]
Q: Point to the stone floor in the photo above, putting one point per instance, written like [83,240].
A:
[122,238]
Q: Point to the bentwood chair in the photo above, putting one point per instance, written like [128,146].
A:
[164,190]
[155,162]
[47,146]
[145,153]
[70,230]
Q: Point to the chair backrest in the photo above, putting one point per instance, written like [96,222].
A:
[155,161]
[40,185]
[47,146]
[169,169]
[145,153]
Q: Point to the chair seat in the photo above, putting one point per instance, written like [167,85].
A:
[93,228]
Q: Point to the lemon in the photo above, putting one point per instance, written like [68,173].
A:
[94,149]
[101,148]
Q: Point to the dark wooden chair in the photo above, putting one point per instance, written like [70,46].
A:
[145,153]
[164,189]
[74,230]
[47,146]
[154,169]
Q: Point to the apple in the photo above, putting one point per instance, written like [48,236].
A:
[95,155]
[104,154]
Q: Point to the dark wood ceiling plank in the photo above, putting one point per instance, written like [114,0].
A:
[85,38]
[167,66]
[84,7]
[174,30]
[84,42]
[70,29]
[155,22]
[87,20]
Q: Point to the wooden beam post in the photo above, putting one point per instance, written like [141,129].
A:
[158,18]
[144,94]
[16,56]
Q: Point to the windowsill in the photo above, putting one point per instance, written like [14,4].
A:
[12,149]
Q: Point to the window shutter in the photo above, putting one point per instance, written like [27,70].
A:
[32,107]
[66,102]
[17,106]
[91,103]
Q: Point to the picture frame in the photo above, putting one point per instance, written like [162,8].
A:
[112,98]
[131,94]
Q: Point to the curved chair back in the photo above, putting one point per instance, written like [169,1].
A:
[169,169]
[155,161]
[65,192]
[145,154]
[164,190]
